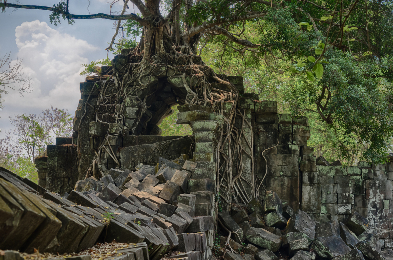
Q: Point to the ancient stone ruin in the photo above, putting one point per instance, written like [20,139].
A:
[245,185]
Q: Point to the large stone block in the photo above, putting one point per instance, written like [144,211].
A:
[26,213]
[181,179]
[301,222]
[330,247]
[230,224]
[298,241]
[357,224]
[263,238]
[170,192]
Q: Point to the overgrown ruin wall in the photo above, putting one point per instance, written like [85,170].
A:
[273,156]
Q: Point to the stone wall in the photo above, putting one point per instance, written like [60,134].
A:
[274,154]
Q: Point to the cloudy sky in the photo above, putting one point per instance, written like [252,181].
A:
[52,56]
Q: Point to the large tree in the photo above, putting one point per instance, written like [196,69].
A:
[337,51]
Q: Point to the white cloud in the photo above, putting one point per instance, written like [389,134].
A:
[53,62]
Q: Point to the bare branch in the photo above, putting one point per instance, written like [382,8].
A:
[118,26]
[131,16]
[229,35]
[207,25]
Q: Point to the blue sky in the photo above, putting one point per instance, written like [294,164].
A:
[52,56]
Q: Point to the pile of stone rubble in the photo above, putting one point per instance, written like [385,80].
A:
[157,209]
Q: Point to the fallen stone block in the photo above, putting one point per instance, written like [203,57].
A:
[122,233]
[165,174]
[161,222]
[301,222]
[146,211]
[121,199]
[263,238]
[178,223]
[297,241]
[81,199]
[45,232]
[181,179]
[368,251]
[265,255]
[121,179]
[348,236]
[201,224]
[148,182]
[275,219]
[184,215]
[255,206]
[250,249]
[170,233]
[70,234]
[327,229]
[94,231]
[166,209]
[304,255]
[170,192]
[240,216]
[129,192]
[15,180]
[287,211]
[163,161]
[57,199]
[109,193]
[257,221]
[230,224]
[330,247]
[354,254]
[135,200]
[97,200]
[10,214]
[133,183]
[151,205]
[29,216]
[106,180]
[357,224]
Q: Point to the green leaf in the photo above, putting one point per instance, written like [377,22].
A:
[311,59]
[318,68]
[309,27]
[325,18]
[303,23]
[318,51]
[310,76]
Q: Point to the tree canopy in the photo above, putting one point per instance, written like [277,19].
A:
[329,60]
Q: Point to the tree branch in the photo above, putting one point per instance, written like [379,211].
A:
[118,25]
[229,35]
[131,16]
[206,25]
[144,11]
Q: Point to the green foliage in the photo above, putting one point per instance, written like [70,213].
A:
[60,10]
[344,91]
[93,67]
[22,167]
[170,128]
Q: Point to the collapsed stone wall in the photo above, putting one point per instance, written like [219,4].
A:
[273,153]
